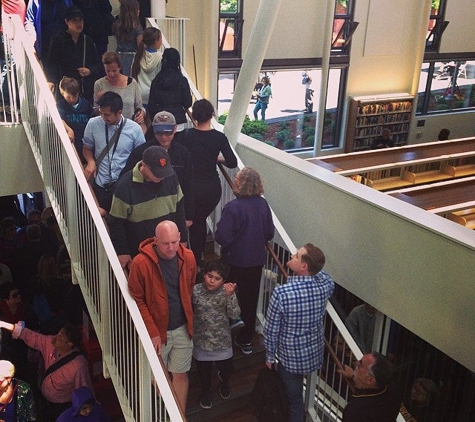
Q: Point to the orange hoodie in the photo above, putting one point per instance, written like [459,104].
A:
[147,287]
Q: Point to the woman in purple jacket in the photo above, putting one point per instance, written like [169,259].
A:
[244,229]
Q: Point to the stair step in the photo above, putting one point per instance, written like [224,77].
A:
[241,383]
[246,369]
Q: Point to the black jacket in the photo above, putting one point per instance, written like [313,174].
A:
[170,93]
[65,57]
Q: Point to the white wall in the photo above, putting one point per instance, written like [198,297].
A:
[458,36]
[413,266]
[18,170]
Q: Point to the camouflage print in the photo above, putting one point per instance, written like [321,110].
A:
[212,311]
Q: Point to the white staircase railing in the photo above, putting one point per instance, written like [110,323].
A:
[128,355]
[138,375]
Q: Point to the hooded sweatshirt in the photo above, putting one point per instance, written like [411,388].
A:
[79,397]
[148,288]
[149,68]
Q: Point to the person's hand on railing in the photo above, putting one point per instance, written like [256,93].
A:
[15,329]
[90,170]
[157,344]
[229,288]
[125,261]
[51,87]
[347,372]
[189,223]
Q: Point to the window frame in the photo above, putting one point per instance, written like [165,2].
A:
[237,21]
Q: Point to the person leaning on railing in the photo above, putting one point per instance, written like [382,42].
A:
[377,398]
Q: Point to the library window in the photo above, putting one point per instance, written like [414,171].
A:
[292,112]
[437,25]
[343,26]
[446,86]
[230,28]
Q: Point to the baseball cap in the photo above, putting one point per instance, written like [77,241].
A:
[164,122]
[73,12]
[158,161]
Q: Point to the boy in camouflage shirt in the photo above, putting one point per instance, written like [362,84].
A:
[214,303]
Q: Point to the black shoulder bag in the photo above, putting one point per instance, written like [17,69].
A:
[60,363]
[113,141]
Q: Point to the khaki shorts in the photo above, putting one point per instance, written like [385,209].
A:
[176,354]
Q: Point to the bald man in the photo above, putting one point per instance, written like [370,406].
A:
[164,270]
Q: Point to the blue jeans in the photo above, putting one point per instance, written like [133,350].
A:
[293,384]
[262,107]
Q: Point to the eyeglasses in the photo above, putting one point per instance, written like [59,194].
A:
[15,295]
[163,133]
[359,364]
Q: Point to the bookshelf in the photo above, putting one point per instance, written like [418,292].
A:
[368,116]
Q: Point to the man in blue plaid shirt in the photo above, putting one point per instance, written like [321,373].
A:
[293,333]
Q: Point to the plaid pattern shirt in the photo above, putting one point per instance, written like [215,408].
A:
[293,331]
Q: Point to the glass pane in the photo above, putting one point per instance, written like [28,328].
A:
[452,86]
[341,7]
[337,25]
[228,6]
[330,127]
[226,30]
[435,7]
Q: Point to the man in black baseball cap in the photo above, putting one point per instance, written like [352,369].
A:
[143,197]
[164,135]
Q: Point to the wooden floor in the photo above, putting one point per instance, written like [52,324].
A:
[237,408]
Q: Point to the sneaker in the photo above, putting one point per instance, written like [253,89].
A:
[205,400]
[224,391]
[236,323]
[246,348]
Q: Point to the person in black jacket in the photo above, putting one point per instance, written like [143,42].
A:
[97,23]
[377,398]
[170,90]
[73,54]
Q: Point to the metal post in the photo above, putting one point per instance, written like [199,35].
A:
[259,40]
[322,101]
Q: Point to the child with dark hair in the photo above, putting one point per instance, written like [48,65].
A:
[170,90]
[75,111]
[214,302]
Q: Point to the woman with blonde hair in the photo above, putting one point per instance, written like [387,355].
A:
[16,399]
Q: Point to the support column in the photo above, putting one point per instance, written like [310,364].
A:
[251,65]
[322,101]
[158,8]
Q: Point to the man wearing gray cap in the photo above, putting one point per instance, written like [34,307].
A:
[143,197]
[164,129]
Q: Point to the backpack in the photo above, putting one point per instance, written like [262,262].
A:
[268,397]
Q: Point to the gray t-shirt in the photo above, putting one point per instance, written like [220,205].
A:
[176,315]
